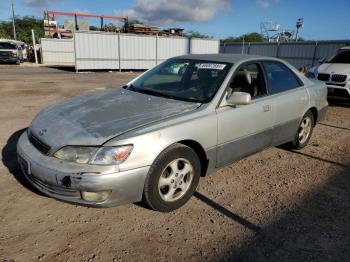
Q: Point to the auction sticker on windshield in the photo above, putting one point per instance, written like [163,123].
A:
[211,66]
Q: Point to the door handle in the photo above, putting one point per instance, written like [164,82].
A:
[267,108]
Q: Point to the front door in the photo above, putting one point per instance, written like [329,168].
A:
[245,129]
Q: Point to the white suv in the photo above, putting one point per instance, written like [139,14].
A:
[336,73]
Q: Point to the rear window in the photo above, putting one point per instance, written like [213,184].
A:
[6,45]
[280,78]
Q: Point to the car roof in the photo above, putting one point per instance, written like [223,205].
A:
[227,58]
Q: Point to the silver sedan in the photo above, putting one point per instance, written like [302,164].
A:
[153,139]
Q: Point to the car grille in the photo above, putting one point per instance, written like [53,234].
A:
[323,77]
[38,144]
[5,53]
[338,78]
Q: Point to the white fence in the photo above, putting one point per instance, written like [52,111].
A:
[57,51]
[100,50]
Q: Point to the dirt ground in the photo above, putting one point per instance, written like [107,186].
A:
[276,205]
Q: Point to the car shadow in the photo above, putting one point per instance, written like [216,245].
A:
[316,229]
[63,68]
[338,127]
[219,208]
[315,157]
[338,102]
[9,159]
[224,211]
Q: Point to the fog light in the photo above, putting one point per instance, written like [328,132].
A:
[95,196]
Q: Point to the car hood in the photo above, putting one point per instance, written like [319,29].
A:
[94,119]
[328,68]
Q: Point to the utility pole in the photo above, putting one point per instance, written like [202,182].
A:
[299,24]
[34,46]
[13,20]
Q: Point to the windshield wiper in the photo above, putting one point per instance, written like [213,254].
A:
[152,92]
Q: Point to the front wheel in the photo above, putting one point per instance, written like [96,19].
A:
[304,131]
[172,178]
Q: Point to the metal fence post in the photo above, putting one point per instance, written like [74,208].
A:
[120,69]
[248,49]
[156,49]
[278,49]
[314,54]
[189,44]
[75,51]
[41,51]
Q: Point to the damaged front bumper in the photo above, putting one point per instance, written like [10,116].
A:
[93,185]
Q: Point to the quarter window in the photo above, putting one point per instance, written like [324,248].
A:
[280,78]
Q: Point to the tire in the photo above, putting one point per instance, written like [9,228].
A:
[18,62]
[307,124]
[172,178]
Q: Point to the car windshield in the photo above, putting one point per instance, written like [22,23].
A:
[341,58]
[5,45]
[183,79]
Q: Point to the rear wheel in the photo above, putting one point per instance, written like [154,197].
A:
[172,178]
[304,131]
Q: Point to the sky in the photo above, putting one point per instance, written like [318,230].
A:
[323,19]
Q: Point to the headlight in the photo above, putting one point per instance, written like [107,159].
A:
[111,155]
[94,155]
[14,53]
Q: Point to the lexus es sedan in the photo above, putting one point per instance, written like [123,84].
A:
[153,139]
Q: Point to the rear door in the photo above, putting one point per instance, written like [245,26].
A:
[290,100]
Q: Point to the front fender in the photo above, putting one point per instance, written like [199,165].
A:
[151,141]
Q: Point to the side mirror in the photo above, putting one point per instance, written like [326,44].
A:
[238,98]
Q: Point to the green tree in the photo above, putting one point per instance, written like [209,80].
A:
[94,28]
[196,34]
[251,37]
[24,28]
[110,27]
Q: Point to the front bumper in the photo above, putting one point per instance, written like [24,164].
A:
[11,59]
[65,181]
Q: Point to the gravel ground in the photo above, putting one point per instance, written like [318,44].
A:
[272,206]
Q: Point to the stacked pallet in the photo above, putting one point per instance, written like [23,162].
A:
[143,29]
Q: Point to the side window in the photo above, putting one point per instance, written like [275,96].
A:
[280,78]
[249,78]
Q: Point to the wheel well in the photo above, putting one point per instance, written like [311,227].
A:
[200,153]
[315,114]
